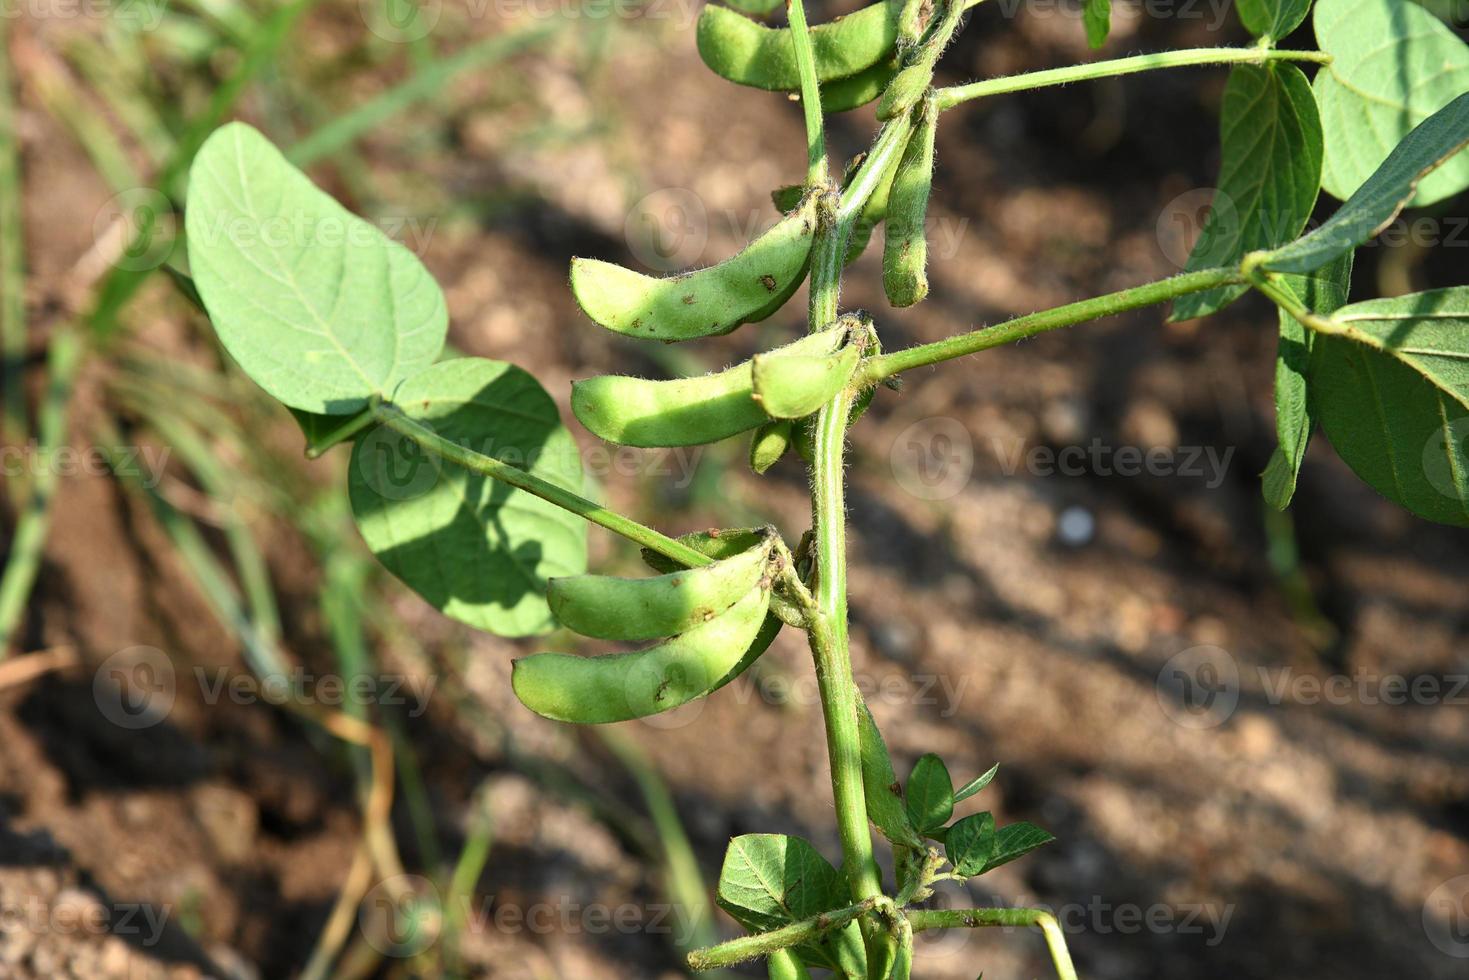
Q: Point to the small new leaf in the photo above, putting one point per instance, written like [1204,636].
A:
[976,784]
[1016,841]
[880,786]
[971,843]
[771,880]
[1272,18]
[930,795]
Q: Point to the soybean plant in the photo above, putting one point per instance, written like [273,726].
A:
[467,486]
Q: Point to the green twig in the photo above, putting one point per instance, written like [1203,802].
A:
[922,919]
[886,365]
[393,417]
[947,98]
[747,948]
[816,171]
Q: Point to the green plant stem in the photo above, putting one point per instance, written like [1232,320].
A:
[886,365]
[922,919]
[1265,283]
[349,428]
[393,417]
[63,361]
[13,425]
[947,98]
[764,943]
[816,170]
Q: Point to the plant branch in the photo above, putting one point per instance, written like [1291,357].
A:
[816,172]
[764,943]
[886,365]
[393,417]
[947,98]
[922,919]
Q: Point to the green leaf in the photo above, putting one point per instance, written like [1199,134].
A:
[1097,16]
[1393,65]
[976,784]
[319,308]
[930,796]
[880,786]
[476,549]
[1272,18]
[1016,841]
[1268,178]
[971,843]
[1393,396]
[1379,201]
[1323,292]
[771,880]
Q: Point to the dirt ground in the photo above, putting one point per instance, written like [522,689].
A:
[1063,621]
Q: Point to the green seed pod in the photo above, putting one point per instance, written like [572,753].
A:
[793,386]
[632,609]
[769,444]
[622,686]
[745,288]
[717,543]
[905,250]
[906,89]
[749,53]
[845,94]
[685,411]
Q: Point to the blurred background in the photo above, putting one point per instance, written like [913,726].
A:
[1248,730]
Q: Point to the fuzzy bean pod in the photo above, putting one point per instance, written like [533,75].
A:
[750,53]
[745,288]
[792,386]
[622,686]
[633,609]
[687,411]
[905,250]
[769,444]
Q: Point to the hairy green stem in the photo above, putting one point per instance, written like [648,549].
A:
[1282,297]
[922,919]
[816,171]
[947,98]
[349,427]
[392,417]
[747,948]
[886,365]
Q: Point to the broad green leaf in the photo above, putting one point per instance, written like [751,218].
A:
[1379,201]
[1393,397]
[476,549]
[1268,178]
[1393,65]
[1097,16]
[1272,18]
[319,308]
[930,795]
[1324,291]
[771,880]
[976,784]
[971,843]
[1016,841]
[880,786]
